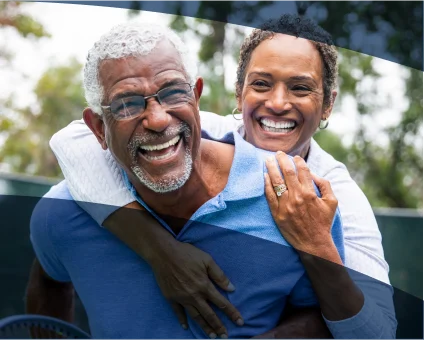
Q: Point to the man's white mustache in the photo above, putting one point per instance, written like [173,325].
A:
[151,137]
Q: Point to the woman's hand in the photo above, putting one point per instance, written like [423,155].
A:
[185,274]
[304,219]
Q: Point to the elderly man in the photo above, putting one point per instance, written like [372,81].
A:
[144,108]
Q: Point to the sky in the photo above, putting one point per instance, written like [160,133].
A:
[74,28]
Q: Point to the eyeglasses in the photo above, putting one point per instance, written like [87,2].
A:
[169,97]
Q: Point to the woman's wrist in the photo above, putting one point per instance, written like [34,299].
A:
[323,248]
[137,228]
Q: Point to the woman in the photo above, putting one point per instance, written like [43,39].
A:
[285,90]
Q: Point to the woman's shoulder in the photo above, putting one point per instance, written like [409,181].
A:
[324,164]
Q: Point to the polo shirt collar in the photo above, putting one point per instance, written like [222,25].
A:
[246,178]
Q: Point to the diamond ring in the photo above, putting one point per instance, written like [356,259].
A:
[280,189]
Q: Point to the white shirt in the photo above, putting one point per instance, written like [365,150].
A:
[93,176]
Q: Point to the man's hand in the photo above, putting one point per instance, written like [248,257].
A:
[45,296]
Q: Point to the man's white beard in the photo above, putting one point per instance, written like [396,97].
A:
[166,183]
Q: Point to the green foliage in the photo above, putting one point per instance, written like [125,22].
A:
[60,100]
[11,15]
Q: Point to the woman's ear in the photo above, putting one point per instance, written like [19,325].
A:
[328,110]
[96,124]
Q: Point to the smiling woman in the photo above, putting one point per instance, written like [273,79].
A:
[285,90]
[285,87]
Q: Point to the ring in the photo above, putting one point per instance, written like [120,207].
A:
[280,189]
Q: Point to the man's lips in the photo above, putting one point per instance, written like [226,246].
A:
[160,146]
[157,152]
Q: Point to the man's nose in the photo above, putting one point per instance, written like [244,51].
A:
[155,116]
[279,101]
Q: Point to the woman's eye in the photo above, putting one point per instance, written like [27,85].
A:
[260,83]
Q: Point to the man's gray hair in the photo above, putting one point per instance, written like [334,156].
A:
[129,39]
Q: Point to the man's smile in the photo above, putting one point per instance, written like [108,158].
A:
[162,151]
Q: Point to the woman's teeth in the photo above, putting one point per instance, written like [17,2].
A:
[281,127]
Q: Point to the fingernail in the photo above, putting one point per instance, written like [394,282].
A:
[212,335]
[269,159]
[231,287]
[224,336]
[184,326]
[240,322]
[279,152]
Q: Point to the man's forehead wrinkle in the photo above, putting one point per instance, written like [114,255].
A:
[139,72]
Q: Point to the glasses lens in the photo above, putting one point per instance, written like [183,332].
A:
[175,95]
[125,108]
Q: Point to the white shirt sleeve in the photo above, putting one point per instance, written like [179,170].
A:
[92,174]
[363,253]
[217,126]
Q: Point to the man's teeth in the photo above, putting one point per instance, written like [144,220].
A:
[277,125]
[172,142]
[156,158]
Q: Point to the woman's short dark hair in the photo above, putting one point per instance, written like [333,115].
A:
[299,27]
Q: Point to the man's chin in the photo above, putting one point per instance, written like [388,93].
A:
[161,184]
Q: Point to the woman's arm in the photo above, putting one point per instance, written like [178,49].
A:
[352,307]
[94,177]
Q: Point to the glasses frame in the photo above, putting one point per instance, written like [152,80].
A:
[156,95]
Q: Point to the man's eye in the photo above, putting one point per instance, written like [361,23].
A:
[127,106]
[301,88]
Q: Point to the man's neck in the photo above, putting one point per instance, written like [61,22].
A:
[208,178]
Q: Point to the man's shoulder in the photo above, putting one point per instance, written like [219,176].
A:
[56,207]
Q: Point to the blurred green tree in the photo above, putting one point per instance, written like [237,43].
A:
[11,15]
[60,100]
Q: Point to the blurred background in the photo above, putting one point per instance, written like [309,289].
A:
[376,127]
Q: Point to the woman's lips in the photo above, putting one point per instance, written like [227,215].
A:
[282,127]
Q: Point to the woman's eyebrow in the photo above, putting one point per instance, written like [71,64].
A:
[261,74]
[303,78]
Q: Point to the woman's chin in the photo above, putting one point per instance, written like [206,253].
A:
[273,146]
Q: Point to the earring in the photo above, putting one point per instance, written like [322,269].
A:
[323,124]
[234,112]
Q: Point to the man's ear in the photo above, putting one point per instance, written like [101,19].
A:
[329,108]
[198,88]
[96,124]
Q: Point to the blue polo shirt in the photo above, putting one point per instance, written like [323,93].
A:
[236,228]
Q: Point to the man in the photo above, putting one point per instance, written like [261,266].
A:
[144,102]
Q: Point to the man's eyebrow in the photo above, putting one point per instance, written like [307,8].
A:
[173,81]
[167,83]
[124,95]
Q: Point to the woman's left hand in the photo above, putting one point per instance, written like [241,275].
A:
[304,219]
